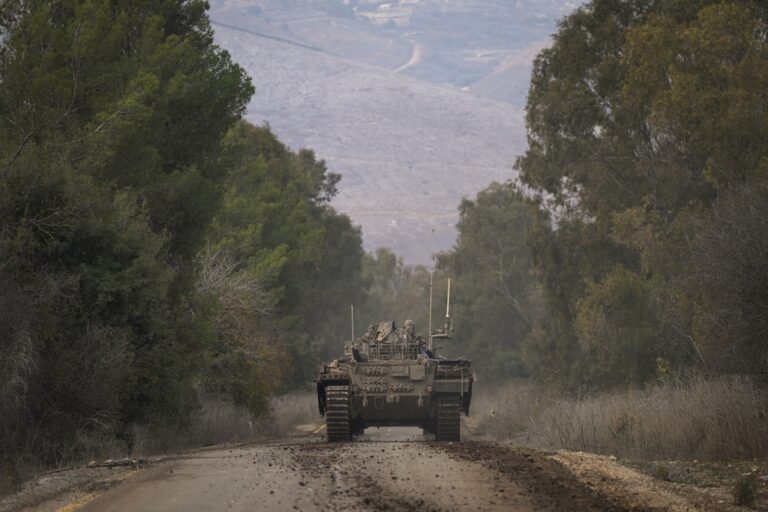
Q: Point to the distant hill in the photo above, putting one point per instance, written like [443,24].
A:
[416,103]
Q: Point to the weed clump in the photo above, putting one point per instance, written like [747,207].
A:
[662,473]
[745,490]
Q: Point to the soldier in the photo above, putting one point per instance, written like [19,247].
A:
[370,334]
[409,332]
[385,332]
[408,335]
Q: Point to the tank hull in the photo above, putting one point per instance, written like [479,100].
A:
[426,393]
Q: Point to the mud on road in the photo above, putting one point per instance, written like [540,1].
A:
[448,476]
[380,472]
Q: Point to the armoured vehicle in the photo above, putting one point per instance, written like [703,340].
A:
[391,377]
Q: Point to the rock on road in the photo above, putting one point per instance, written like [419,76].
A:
[389,469]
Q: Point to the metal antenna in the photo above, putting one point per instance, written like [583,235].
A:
[352,307]
[448,326]
[431,280]
[448,301]
[431,283]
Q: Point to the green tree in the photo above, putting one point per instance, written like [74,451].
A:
[728,281]
[247,360]
[640,116]
[279,227]
[396,291]
[110,171]
[497,299]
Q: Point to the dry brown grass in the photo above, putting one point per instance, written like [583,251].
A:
[507,412]
[216,422]
[708,420]
[293,410]
[220,422]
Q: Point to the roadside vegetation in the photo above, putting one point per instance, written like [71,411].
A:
[705,420]
[166,267]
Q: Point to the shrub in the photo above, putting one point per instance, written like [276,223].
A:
[745,490]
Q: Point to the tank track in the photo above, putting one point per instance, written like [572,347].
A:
[448,423]
[337,421]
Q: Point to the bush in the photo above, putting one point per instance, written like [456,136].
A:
[708,420]
[745,490]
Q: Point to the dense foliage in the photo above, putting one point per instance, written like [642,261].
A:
[496,297]
[153,248]
[112,114]
[647,124]
[278,225]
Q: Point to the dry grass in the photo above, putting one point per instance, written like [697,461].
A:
[293,410]
[707,420]
[217,422]
[507,412]
[220,422]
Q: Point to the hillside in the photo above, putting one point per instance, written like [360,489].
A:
[416,104]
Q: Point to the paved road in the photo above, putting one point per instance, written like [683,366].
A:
[389,469]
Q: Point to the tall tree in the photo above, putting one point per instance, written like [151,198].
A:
[113,115]
[279,227]
[496,294]
[640,116]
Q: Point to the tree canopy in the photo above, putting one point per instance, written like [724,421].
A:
[113,114]
[644,118]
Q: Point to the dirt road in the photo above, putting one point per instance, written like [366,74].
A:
[391,469]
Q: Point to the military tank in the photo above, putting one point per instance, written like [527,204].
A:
[392,377]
